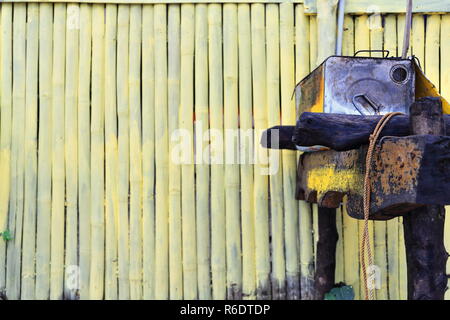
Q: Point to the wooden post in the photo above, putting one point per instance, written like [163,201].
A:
[424,227]
[326,252]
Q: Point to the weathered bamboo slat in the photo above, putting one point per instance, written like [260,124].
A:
[276,177]
[432,49]
[246,153]
[134,83]
[187,168]
[148,151]
[417,37]
[111,195]
[218,252]
[123,19]
[96,289]
[84,149]
[202,169]
[31,125]
[44,156]
[16,200]
[173,101]
[71,151]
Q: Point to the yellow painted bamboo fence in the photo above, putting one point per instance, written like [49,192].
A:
[90,98]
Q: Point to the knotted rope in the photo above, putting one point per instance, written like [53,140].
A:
[365,243]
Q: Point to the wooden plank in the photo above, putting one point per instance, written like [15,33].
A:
[380,227]
[218,253]
[175,227]
[306,247]
[246,149]
[96,289]
[71,151]
[31,123]
[84,149]
[390,43]
[278,276]
[187,167]
[44,157]
[232,183]
[148,151]
[202,169]
[111,156]
[16,204]
[161,138]
[5,126]
[260,179]
[123,19]
[134,83]
[289,158]
[385,6]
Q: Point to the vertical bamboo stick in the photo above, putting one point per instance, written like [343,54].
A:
[276,176]
[291,226]
[173,100]
[217,173]
[315,225]
[71,150]
[402,276]
[45,146]
[261,181]
[246,153]
[96,289]
[202,155]
[5,127]
[187,168]
[339,272]
[84,148]
[232,184]
[376,43]
[29,221]
[432,49]
[362,42]
[58,139]
[123,19]
[13,263]
[161,146]
[111,195]
[148,151]
[418,37]
[302,67]
[390,43]
[313,42]
[135,153]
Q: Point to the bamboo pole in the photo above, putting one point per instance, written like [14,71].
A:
[123,19]
[302,67]
[13,263]
[202,171]
[96,289]
[313,42]
[29,223]
[44,156]
[390,43]
[148,151]
[380,227]
[432,49]
[276,177]
[111,155]
[402,268]
[187,167]
[260,179]
[5,127]
[175,228]
[246,153]
[135,153]
[71,151]
[339,272]
[418,37]
[84,149]
[161,146]
[326,28]
[289,164]
[232,183]
[218,252]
